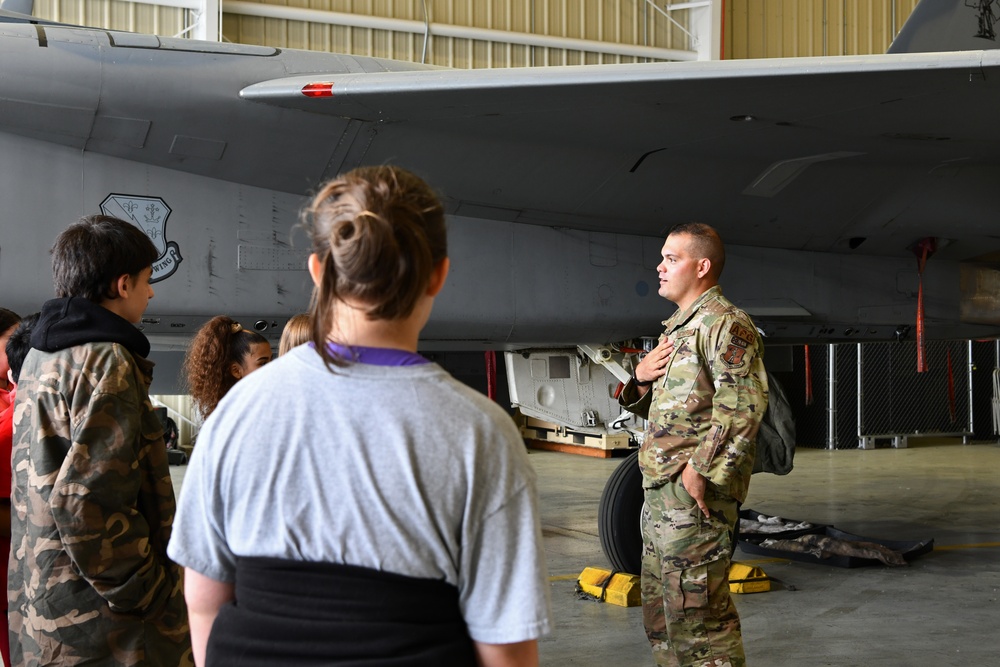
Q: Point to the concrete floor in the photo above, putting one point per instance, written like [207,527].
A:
[942,610]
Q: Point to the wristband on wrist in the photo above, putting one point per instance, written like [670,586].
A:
[640,383]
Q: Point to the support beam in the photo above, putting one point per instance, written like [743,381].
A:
[831,399]
[447,30]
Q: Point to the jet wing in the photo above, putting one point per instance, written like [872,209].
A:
[819,154]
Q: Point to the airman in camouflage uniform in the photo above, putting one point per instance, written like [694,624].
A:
[92,502]
[704,391]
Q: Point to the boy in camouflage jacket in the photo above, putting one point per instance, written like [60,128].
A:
[92,502]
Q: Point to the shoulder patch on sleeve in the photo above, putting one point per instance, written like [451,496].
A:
[733,356]
[735,345]
[741,335]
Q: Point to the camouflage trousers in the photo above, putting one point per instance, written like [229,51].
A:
[690,618]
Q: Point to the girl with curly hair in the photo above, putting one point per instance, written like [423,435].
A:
[222,353]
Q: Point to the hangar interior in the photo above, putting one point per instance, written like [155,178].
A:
[939,611]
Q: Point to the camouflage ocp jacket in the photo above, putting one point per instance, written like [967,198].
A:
[91,502]
[706,410]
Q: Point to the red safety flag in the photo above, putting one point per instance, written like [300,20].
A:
[923,249]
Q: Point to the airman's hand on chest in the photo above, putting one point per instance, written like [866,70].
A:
[654,364]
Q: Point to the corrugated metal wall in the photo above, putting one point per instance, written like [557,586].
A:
[791,28]
[752,28]
[633,22]
[116,15]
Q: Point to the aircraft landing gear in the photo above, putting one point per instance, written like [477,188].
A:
[618,516]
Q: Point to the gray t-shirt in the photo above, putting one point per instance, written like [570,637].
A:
[397,468]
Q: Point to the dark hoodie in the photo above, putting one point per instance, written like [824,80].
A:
[74,321]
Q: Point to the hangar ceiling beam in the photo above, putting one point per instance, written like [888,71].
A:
[705,23]
[206,15]
[455,31]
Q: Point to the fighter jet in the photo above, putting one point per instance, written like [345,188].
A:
[842,186]
[822,174]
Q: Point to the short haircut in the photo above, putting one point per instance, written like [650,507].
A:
[92,253]
[18,345]
[8,319]
[705,242]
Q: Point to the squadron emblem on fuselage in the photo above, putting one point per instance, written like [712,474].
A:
[150,215]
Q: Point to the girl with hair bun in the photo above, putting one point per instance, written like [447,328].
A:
[221,353]
[379,511]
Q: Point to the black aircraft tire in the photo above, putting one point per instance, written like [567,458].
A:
[618,516]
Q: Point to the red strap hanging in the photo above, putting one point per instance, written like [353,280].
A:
[923,249]
[809,378]
[921,359]
[491,374]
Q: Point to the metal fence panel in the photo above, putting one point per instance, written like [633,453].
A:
[896,400]
[845,435]
[892,400]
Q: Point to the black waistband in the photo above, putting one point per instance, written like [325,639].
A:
[299,613]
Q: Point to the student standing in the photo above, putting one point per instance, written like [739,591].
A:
[9,325]
[8,322]
[221,354]
[92,502]
[352,501]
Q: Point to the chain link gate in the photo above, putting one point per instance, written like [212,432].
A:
[825,411]
[880,396]
[896,402]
